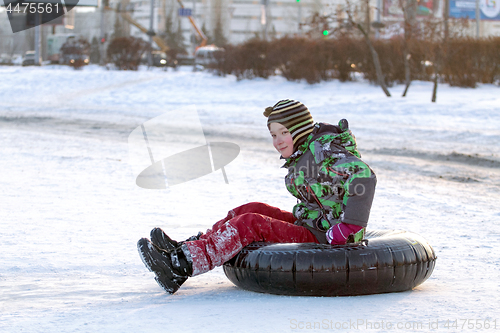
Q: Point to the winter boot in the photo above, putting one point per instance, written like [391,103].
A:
[161,239]
[171,268]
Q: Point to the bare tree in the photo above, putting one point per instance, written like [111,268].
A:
[366,35]
[218,32]
[119,28]
[438,33]
[436,52]
[409,8]
[344,22]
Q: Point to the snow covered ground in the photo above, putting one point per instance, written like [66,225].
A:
[71,213]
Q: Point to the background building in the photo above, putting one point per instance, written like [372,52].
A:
[234,21]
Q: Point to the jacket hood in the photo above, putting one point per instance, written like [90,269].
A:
[337,134]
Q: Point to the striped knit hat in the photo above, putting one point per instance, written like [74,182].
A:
[294,116]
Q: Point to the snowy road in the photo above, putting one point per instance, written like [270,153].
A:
[71,212]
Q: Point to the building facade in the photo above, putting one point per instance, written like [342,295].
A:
[236,20]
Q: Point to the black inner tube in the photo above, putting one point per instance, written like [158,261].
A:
[385,261]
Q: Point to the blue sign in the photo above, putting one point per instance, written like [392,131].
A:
[185,11]
[489,9]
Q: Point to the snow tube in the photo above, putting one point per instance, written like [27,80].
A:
[385,261]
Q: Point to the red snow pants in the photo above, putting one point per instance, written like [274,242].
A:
[252,222]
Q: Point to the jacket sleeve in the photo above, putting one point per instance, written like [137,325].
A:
[352,185]
[359,190]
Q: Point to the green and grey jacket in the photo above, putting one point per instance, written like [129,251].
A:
[330,181]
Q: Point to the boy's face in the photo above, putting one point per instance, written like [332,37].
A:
[282,139]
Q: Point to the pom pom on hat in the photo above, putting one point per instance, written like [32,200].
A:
[268,111]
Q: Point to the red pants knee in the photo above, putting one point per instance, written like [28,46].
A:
[265,209]
[255,207]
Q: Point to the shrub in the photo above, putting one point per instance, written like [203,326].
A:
[470,61]
[126,52]
[466,62]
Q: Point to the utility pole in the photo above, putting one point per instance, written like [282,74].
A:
[478,20]
[263,18]
[379,18]
[38,49]
[193,13]
[162,12]
[151,33]
[367,17]
[446,18]
[103,39]
[299,14]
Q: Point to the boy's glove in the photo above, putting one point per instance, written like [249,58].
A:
[338,234]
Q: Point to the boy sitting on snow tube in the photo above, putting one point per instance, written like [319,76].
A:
[334,188]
